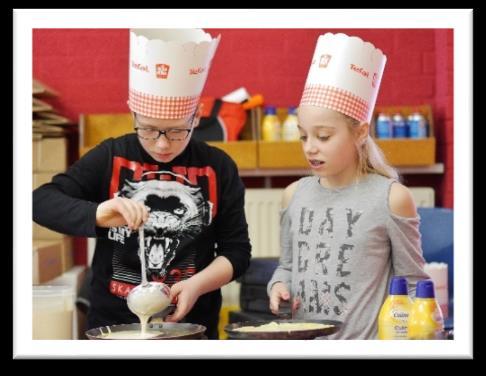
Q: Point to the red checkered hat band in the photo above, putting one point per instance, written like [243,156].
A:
[336,99]
[162,107]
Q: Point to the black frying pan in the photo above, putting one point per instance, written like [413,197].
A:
[166,330]
[291,334]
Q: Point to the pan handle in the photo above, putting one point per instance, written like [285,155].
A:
[160,317]
[285,310]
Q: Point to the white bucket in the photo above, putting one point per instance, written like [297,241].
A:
[52,312]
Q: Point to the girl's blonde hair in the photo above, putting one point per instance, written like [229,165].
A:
[370,156]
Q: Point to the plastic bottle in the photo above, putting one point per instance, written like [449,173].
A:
[290,131]
[417,125]
[393,318]
[384,127]
[400,126]
[426,320]
[271,129]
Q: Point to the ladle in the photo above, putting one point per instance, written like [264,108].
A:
[148,298]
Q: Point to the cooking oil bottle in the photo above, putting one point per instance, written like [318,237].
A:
[271,128]
[426,320]
[290,129]
[393,317]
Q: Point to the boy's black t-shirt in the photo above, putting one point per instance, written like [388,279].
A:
[196,213]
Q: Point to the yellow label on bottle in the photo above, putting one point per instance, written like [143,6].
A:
[393,318]
[426,321]
[271,130]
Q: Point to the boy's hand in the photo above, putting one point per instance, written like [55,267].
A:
[121,211]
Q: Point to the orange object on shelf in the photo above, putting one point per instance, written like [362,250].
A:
[255,101]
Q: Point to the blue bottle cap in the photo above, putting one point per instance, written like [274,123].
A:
[425,289]
[270,110]
[398,286]
[292,110]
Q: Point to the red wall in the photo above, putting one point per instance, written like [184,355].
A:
[89,67]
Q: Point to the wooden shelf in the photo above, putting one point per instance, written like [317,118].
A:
[263,172]
[437,168]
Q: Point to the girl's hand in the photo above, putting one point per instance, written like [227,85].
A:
[278,293]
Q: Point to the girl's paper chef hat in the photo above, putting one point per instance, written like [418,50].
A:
[168,69]
[345,76]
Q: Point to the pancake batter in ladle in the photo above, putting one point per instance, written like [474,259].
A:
[148,298]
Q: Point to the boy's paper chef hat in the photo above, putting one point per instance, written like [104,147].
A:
[168,69]
[345,76]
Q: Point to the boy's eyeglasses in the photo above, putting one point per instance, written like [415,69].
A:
[170,134]
[174,134]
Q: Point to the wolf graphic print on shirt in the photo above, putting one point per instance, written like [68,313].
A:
[178,212]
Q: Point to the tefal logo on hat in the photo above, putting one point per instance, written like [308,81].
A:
[162,70]
[324,60]
[140,67]
[197,70]
[360,70]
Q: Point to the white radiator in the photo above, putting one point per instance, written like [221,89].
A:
[262,209]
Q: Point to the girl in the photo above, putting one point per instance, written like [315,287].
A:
[347,230]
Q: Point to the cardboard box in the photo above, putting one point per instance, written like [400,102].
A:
[65,244]
[73,277]
[40,178]
[407,151]
[244,153]
[49,154]
[46,261]
[42,233]
[67,253]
